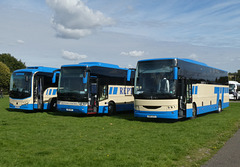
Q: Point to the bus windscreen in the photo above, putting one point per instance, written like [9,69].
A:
[155,80]
[20,85]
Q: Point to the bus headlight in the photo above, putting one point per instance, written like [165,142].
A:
[25,103]
[82,103]
[136,107]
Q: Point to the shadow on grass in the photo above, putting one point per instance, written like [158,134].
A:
[129,115]
[25,111]
[53,113]
[72,114]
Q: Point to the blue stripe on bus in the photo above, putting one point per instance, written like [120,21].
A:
[22,107]
[223,91]
[110,90]
[115,90]
[54,92]
[196,90]
[45,106]
[216,91]
[162,114]
[50,91]
[75,109]
[47,92]
[219,91]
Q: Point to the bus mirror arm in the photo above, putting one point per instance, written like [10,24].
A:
[85,76]
[55,75]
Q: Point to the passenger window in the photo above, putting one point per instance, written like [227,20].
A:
[189,93]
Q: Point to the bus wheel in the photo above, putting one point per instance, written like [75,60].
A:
[53,105]
[219,106]
[111,108]
[194,111]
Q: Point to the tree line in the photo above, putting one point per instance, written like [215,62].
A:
[234,76]
[8,64]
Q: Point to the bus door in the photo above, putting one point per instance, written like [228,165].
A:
[185,95]
[93,97]
[182,97]
[38,92]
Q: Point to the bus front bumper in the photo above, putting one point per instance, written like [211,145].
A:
[22,107]
[20,104]
[159,108]
[72,108]
[161,114]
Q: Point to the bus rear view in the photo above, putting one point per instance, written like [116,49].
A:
[178,88]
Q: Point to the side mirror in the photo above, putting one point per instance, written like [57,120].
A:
[175,73]
[85,77]
[54,78]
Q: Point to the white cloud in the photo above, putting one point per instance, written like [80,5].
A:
[20,41]
[133,53]
[73,19]
[72,56]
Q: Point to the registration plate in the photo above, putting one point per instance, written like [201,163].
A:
[69,109]
[151,116]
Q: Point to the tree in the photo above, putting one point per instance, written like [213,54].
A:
[12,63]
[4,76]
[234,76]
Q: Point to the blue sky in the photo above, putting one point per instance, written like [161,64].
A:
[58,32]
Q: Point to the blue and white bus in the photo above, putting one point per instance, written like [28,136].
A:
[176,88]
[34,88]
[95,88]
[234,90]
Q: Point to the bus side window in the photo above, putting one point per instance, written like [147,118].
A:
[102,92]
[189,93]
[93,88]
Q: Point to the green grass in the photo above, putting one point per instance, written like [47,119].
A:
[56,139]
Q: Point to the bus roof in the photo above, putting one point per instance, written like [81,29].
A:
[183,59]
[34,69]
[96,64]
[187,60]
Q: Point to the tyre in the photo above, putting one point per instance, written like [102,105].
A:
[219,106]
[111,108]
[53,105]
[194,111]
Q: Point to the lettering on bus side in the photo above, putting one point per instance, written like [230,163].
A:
[120,90]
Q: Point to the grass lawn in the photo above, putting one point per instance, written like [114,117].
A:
[56,139]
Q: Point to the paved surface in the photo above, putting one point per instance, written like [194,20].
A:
[228,155]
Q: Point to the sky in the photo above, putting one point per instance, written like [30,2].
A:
[59,32]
